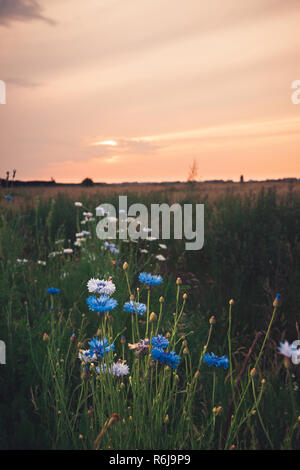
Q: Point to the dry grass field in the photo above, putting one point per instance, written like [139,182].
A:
[176,191]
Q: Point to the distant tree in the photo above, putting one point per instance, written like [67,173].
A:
[193,172]
[87,182]
[241,179]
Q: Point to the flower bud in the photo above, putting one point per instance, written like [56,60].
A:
[125,265]
[45,337]
[276,300]
[153,317]
[178,281]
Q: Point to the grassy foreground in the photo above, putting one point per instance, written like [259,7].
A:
[55,395]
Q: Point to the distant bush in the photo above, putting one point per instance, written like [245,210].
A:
[87,182]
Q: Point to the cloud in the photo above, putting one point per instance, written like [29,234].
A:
[21,82]
[235,130]
[21,10]
[125,146]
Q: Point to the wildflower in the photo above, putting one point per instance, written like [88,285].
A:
[170,359]
[73,338]
[160,258]
[111,247]
[285,349]
[161,245]
[9,198]
[213,360]
[99,347]
[125,265]
[85,233]
[43,263]
[160,342]
[102,304]
[101,286]
[142,347]
[276,300]
[52,290]
[143,250]
[84,356]
[68,251]
[117,368]
[22,261]
[45,337]
[149,279]
[135,307]
[78,204]
[54,253]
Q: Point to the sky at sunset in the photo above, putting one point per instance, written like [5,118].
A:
[136,90]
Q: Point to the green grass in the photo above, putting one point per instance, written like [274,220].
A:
[49,401]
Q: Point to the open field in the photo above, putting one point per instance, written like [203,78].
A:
[176,191]
[62,388]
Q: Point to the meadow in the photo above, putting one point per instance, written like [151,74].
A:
[126,345]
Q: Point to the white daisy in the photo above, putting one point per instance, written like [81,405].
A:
[160,258]
[119,369]
[84,356]
[101,286]
[285,349]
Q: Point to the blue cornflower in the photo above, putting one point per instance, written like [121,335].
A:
[102,304]
[9,198]
[150,279]
[170,359]
[213,360]
[99,347]
[160,342]
[135,307]
[111,247]
[53,290]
